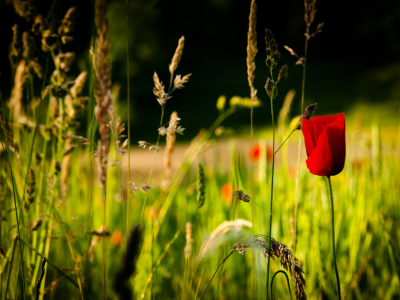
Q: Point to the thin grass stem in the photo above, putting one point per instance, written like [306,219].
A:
[129,119]
[303,86]
[295,128]
[9,160]
[232,251]
[104,244]
[272,186]
[10,268]
[152,165]
[287,281]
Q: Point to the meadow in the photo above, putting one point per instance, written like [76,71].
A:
[101,215]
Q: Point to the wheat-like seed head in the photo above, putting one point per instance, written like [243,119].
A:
[76,89]
[16,100]
[224,227]
[252,48]
[103,85]
[177,56]
[189,240]
[169,148]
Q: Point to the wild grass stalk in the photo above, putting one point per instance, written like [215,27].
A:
[14,187]
[128,102]
[159,91]
[310,11]
[273,56]
[10,267]
[102,64]
[251,54]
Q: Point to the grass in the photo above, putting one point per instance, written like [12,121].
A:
[64,258]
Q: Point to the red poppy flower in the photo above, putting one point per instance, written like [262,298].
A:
[226,191]
[254,152]
[325,144]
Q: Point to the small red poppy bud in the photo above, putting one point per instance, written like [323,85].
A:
[325,142]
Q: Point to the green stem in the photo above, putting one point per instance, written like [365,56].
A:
[129,119]
[261,207]
[272,184]
[333,238]
[104,243]
[295,128]
[287,280]
[14,185]
[303,87]
[216,273]
[152,165]
[10,268]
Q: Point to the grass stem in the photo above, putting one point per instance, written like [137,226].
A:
[216,272]
[272,186]
[303,86]
[129,118]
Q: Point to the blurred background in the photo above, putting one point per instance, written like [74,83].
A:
[352,64]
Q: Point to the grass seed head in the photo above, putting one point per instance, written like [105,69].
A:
[201,185]
[252,48]
[177,56]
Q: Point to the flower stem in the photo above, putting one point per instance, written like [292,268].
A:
[272,187]
[333,238]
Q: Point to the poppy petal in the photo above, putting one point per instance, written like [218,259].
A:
[320,161]
[311,131]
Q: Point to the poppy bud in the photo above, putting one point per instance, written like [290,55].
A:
[283,73]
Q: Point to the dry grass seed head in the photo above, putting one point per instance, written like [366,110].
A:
[224,227]
[77,88]
[189,240]
[102,85]
[16,99]
[169,148]
[252,48]
[288,261]
[177,56]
